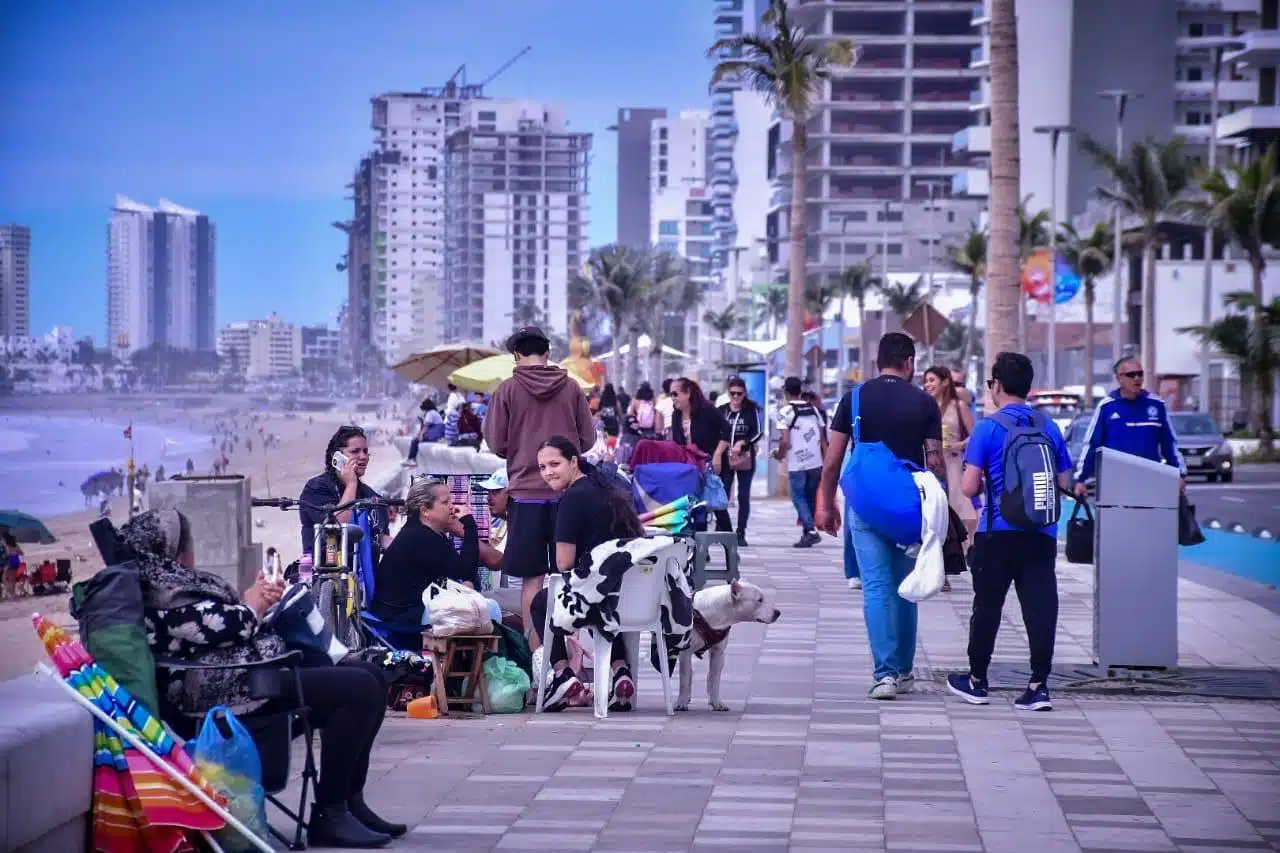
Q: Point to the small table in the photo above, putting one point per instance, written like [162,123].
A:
[443,652]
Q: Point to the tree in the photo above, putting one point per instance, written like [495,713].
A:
[791,69]
[667,292]
[818,296]
[1090,255]
[1033,235]
[1236,337]
[857,283]
[723,324]
[1004,285]
[1149,184]
[613,279]
[1244,204]
[970,259]
[901,299]
[84,353]
[775,308]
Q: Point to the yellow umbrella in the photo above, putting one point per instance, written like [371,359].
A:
[486,374]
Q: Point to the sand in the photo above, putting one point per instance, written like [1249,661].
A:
[278,472]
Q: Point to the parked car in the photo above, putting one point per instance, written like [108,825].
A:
[1203,446]
[1074,435]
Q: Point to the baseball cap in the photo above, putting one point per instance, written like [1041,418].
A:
[525,333]
[497,480]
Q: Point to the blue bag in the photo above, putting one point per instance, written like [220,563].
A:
[878,486]
[713,493]
[228,758]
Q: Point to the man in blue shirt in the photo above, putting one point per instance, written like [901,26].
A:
[1005,554]
[1132,421]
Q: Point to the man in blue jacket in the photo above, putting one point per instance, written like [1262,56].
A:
[1132,421]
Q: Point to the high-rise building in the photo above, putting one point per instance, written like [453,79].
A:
[15,281]
[880,164]
[731,19]
[634,129]
[161,277]
[321,349]
[364,323]
[262,349]
[515,217]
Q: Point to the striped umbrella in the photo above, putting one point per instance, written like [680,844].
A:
[138,805]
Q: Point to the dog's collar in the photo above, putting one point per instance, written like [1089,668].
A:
[710,636]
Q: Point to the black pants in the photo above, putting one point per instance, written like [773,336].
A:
[744,497]
[559,651]
[1026,560]
[347,703]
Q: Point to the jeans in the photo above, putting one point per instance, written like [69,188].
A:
[891,619]
[1026,559]
[804,494]
[744,496]
[413,448]
[850,556]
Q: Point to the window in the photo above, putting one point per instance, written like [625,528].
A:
[669,228]
[488,115]
[662,150]
[662,133]
[1194,75]
[892,216]
[662,182]
[662,165]
[895,248]
[1195,29]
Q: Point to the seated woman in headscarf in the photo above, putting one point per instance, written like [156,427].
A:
[196,617]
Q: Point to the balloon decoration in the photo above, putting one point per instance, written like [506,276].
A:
[1036,275]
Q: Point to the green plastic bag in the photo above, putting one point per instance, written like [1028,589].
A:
[508,685]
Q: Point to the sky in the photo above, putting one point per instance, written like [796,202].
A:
[257,114]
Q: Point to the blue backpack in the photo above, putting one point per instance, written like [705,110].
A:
[1029,494]
[878,486]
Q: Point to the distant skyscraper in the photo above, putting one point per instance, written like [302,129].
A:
[15,281]
[634,177]
[161,277]
[732,18]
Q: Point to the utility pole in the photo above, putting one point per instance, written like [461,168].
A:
[1054,131]
[1206,298]
[1120,319]
[934,184]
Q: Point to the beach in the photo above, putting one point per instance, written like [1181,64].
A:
[279,471]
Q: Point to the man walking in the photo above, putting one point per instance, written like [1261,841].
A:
[803,444]
[537,402]
[1019,455]
[900,415]
[1130,420]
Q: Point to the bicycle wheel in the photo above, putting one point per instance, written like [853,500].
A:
[325,604]
[344,628]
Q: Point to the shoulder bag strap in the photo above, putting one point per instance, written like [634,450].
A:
[855,415]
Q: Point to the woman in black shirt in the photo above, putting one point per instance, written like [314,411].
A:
[591,511]
[695,422]
[740,464]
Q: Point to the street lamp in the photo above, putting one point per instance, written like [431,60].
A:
[1118,320]
[933,184]
[1054,132]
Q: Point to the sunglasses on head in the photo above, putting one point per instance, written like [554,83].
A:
[1133,374]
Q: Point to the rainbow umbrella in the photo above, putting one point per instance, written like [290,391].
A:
[147,793]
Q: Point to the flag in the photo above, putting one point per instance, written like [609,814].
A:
[128,431]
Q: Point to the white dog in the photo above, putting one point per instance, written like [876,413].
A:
[717,609]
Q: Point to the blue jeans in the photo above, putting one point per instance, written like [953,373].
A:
[804,494]
[850,556]
[891,619]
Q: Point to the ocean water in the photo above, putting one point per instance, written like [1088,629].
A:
[44,459]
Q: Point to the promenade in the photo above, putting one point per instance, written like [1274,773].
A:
[804,761]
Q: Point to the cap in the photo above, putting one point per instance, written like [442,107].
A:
[525,333]
[497,480]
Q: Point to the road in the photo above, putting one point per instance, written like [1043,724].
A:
[1252,498]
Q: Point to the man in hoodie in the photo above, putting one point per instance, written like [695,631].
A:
[537,402]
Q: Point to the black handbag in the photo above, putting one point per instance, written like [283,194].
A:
[1188,528]
[1080,535]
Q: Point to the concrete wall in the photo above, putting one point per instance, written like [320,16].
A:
[221,524]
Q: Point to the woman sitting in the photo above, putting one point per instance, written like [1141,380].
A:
[346,460]
[196,617]
[422,554]
[591,511]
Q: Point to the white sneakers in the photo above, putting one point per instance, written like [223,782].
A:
[885,688]
[855,583]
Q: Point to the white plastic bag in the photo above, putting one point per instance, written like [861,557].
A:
[927,578]
[456,609]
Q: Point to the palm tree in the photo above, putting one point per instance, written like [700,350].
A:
[1149,183]
[857,283]
[1090,256]
[1244,204]
[970,258]
[1004,285]
[901,299]
[791,69]
[614,280]
[1258,357]
[819,293]
[667,291]
[1033,235]
[775,308]
[723,323]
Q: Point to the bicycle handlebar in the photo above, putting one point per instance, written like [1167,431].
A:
[327,509]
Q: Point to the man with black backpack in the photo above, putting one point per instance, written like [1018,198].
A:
[1017,458]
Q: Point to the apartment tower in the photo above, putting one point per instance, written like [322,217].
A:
[15,281]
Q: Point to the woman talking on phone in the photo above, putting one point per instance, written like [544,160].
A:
[346,459]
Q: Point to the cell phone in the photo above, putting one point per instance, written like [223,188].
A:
[339,460]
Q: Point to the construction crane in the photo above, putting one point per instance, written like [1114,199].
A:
[503,67]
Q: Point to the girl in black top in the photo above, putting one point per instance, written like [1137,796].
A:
[696,422]
[609,411]
[591,511]
[744,424]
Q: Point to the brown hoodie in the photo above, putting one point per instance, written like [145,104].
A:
[537,402]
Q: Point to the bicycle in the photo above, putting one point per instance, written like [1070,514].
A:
[337,565]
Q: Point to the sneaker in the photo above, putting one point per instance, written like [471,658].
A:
[973,692]
[1034,700]
[623,690]
[855,583]
[906,683]
[805,541]
[564,690]
[885,688]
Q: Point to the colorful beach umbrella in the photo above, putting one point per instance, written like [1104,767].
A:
[24,527]
[147,793]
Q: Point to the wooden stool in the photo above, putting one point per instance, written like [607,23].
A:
[443,653]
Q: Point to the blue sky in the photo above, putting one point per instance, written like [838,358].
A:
[257,113]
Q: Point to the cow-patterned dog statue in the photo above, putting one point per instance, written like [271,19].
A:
[716,610]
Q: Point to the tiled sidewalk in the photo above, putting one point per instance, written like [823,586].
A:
[805,762]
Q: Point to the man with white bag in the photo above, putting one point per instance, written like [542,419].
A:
[1018,457]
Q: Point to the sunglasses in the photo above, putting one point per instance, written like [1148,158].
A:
[1133,374]
[737,393]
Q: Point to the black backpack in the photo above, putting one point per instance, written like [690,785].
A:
[1029,495]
